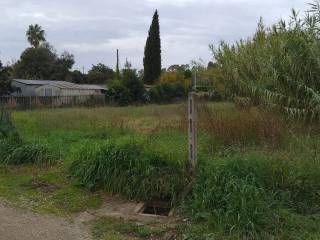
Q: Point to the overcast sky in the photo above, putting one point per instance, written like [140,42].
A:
[92,30]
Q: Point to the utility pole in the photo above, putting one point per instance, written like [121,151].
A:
[117,67]
[195,80]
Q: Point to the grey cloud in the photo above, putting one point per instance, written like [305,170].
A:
[92,30]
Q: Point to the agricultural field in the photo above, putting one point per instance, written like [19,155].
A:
[258,175]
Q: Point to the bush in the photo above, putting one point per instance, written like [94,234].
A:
[128,90]
[167,92]
[131,169]
[119,94]
[174,76]
[135,86]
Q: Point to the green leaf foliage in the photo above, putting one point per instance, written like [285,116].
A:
[152,52]
[43,63]
[279,67]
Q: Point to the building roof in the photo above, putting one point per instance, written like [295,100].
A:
[37,82]
[60,84]
[92,87]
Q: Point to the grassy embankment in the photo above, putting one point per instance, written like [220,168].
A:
[258,174]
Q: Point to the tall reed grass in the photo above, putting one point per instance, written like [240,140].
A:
[278,67]
[243,127]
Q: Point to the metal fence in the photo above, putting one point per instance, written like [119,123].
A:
[33,102]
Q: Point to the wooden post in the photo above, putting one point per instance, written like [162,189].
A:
[192,129]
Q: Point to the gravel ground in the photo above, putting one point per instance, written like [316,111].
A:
[16,224]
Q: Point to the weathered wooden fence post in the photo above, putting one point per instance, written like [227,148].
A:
[192,129]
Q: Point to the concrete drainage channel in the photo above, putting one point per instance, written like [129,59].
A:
[142,212]
[155,209]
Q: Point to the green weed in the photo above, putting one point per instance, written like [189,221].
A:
[104,227]
[17,153]
[130,168]
[248,194]
[14,151]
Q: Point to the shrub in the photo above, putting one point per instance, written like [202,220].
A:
[119,93]
[166,92]
[135,86]
[155,95]
[173,77]
[131,169]
[127,90]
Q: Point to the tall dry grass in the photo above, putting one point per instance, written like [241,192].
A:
[251,126]
[220,121]
[234,126]
[142,119]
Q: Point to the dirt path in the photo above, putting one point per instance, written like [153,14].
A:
[18,224]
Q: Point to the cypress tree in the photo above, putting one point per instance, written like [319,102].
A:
[152,52]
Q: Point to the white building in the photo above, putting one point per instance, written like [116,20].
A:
[45,88]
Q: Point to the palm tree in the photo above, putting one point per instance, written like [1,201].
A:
[35,35]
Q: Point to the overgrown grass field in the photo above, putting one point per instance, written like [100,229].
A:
[258,175]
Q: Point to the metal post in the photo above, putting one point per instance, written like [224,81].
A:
[192,129]
[195,80]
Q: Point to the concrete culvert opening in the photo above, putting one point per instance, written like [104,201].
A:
[156,209]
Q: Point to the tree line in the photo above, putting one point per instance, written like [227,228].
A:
[42,61]
[277,68]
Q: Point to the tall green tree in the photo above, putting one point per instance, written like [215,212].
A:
[43,63]
[35,63]
[152,52]
[100,74]
[78,77]
[62,66]
[35,35]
